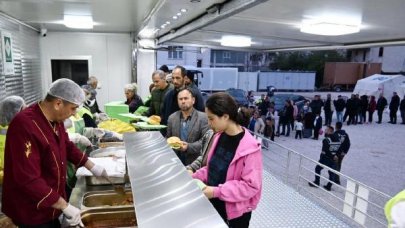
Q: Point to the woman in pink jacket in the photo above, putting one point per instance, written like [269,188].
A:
[233,173]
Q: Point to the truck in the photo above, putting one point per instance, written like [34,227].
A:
[344,75]
[286,81]
[217,79]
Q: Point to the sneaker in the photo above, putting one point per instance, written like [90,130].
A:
[313,184]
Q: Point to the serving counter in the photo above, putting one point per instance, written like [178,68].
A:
[164,194]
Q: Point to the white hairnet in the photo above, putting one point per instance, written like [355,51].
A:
[67,90]
[9,107]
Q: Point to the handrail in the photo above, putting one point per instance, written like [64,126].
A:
[298,177]
[316,162]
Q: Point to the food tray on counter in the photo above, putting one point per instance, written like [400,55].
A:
[109,217]
[134,117]
[110,144]
[118,152]
[92,180]
[146,126]
[108,198]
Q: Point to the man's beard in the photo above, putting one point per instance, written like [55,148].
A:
[185,108]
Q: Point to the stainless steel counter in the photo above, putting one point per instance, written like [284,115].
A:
[164,193]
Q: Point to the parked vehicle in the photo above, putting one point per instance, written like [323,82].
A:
[279,100]
[239,95]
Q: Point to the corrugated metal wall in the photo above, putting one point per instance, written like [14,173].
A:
[26,81]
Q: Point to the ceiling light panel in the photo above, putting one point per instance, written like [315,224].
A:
[78,21]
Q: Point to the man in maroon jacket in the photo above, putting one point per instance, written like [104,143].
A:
[36,154]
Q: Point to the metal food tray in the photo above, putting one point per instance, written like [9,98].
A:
[108,151]
[109,199]
[110,144]
[92,180]
[109,217]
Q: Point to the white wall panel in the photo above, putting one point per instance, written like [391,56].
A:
[109,54]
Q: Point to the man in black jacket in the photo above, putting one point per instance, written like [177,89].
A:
[340,105]
[170,104]
[343,149]
[381,104]
[317,125]
[316,104]
[402,109]
[351,109]
[394,104]
[328,108]
[330,149]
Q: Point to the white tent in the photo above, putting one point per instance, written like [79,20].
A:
[377,83]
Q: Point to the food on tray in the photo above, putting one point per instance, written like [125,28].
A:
[126,201]
[154,120]
[174,142]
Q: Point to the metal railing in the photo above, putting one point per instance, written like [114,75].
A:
[352,201]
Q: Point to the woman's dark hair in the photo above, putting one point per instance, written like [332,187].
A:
[222,103]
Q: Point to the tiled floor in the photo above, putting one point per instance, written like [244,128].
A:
[282,206]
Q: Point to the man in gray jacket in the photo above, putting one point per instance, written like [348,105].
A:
[189,125]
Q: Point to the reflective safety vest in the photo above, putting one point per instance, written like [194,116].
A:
[83,110]
[388,206]
[77,124]
[3,132]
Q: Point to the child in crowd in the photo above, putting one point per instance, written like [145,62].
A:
[298,128]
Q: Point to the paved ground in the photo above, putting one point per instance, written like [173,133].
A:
[376,156]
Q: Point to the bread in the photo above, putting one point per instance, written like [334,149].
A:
[154,120]
[174,142]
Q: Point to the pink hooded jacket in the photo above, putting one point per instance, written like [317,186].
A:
[243,186]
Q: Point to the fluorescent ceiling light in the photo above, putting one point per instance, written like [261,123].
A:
[147,32]
[146,43]
[328,28]
[236,41]
[79,22]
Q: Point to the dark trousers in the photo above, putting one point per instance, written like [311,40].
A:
[338,167]
[403,116]
[363,116]
[352,119]
[393,115]
[288,128]
[239,222]
[345,116]
[380,114]
[298,133]
[329,163]
[328,117]
[370,116]
[316,133]
[52,224]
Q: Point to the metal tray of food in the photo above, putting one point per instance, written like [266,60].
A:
[108,198]
[109,217]
[110,144]
[118,151]
[92,180]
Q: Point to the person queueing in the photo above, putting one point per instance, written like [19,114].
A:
[381,104]
[36,155]
[343,149]
[9,107]
[134,101]
[328,157]
[234,169]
